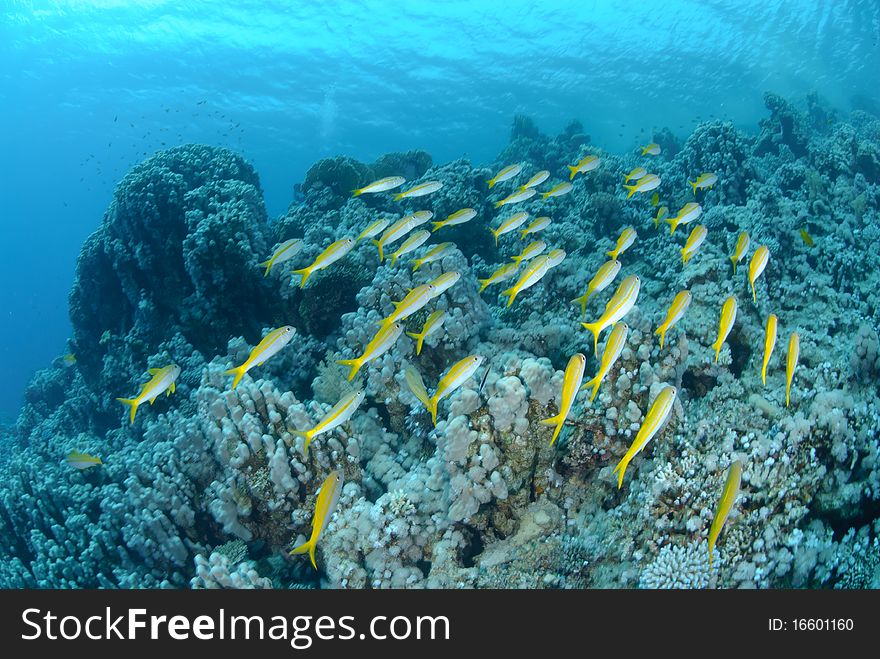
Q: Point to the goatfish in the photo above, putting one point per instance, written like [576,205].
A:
[728,497]
[688,213]
[635,174]
[284,252]
[725,324]
[558,190]
[539,224]
[807,238]
[374,229]
[661,213]
[676,310]
[534,273]
[652,149]
[504,175]
[325,505]
[410,244]
[571,385]
[503,273]
[624,241]
[456,376]
[341,412]
[458,217]
[512,223]
[519,195]
[769,344]
[739,250]
[600,281]
[645,184]
[618,306]
[653,423]
[382,185]
[433,324]
[794,352]
[444,282]
[162,382]
[326,258]
[419,190]
[400,228]
[756,267]
[692,246]
[536,180]
[82,461]
[584,165]
[415,299]
[531,251]
[271,344]
[613,347]
[704,180]
[434,254]
[378,346]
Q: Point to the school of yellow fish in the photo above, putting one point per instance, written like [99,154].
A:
[536,261]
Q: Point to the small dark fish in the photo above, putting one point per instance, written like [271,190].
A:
[483,381]
[115,117]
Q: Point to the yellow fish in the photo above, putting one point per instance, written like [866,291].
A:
[536,180]
[692,246]
[419,190]
[271,344]
[739,251]
[653,423]
[415,299]
[458,217]
[558,190]
[341,412]
[504,175]
[503,273]
[655,199]
[652,149]
[769,344]
[645,184]
[534,273]
[512,223]
[69,359]
[82,461]
[676,310]
[571,385]
[661,213]
[445,281]
[688,213]
[434,254]
[794,352]
[411,244]
[432,324]
[600,281]
[705,180]
[325,505]
[516,197]
[728,497]
[326,258]
[539,224]
[456,376]
[284,252]
[616,308]
[378,346]
[162,382]
[728,316]
[635,174]
[756,267]
[807,238]
[400,228]
[531,251]
[382,185]
[584,165]
[375,228]
[613,347]
[624,241]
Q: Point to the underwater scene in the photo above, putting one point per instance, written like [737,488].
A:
[451,295]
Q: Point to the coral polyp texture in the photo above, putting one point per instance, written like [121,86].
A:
[210,486]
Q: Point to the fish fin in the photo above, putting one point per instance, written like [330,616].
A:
[267,265]
[419,339]
[357,193]
[644,150]
[733,260]
[238,373]
[595,329]
[673,224]
[573,170]
[483,284]
[309,547]
[132,403]
[582,300]
[306,273]
[307,439]
[754,294]
[494,233]
[353,364]
[511,295]
[620,469]
[612,253]
[544,195]
[398,196]
[517,260]
[594,383]
[557,421]
[632,190]
[172,388]
[394,258]
[694,186]
[662,332]
[436,225]
[764,375]
[417,387]
[717,348]
[491,183]
[379,247]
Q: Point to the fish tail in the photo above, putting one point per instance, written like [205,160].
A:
[417,387]
[573,170]
[787,393]
[357,193]
[517,260]
[544,195]
[612,253]
[717,347]
[307,439]
[306,273]
[267,265]
[238,373]
[754,294]
[495,235]
[673,224]
[523,233]
[398,196]
[132,403]
[694,186]
[491,183]
[710,553]
[684,256]
[499,204]
[379,247]
[764,375]
[632,190]
[620,469]
[595,329]
[417,264]
[393,259]
[353,364]
[594,383]
[483,284]
[662,332]
[511,295]
[419,338]
[582,300]
[307,547]
[436,225]
[644,150]
[558,422]
[733,260]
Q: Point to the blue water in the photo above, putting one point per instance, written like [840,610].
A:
[88,88]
